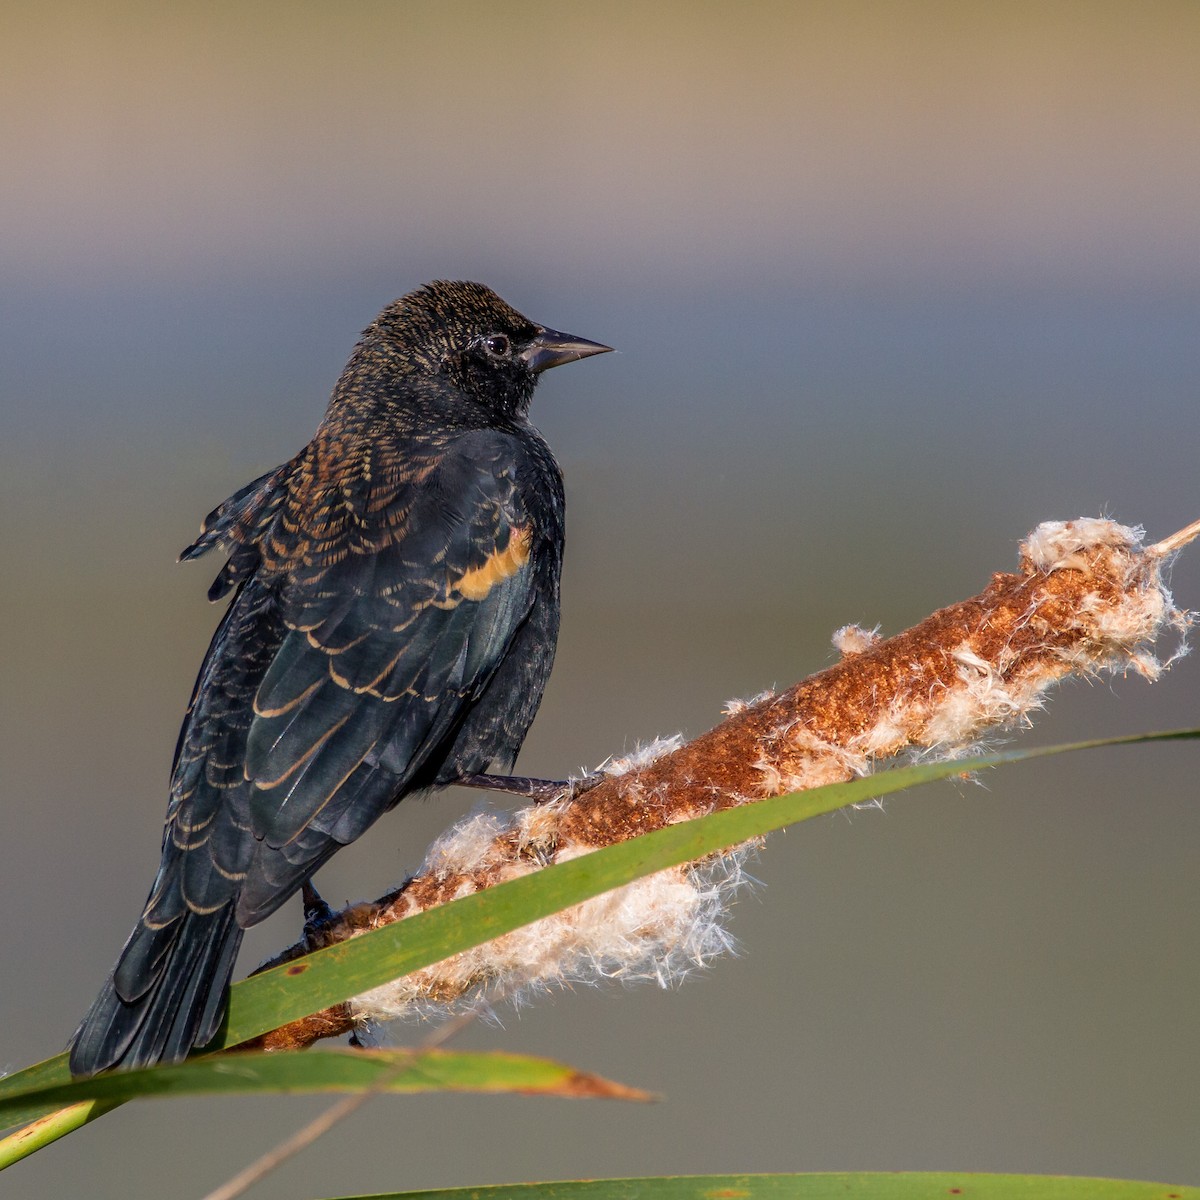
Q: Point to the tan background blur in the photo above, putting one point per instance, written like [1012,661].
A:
[892,282]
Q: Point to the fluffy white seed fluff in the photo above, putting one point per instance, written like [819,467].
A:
[659,929]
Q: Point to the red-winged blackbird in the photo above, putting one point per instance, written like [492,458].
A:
[395,612]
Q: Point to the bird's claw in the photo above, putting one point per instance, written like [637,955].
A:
[317,913]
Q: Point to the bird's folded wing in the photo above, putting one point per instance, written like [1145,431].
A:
[402,602]
[374,606]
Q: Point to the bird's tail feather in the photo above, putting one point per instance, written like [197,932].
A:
[166,995]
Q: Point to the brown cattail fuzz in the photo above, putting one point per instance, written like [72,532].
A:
[1087,598]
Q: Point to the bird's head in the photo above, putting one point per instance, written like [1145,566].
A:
[465,333]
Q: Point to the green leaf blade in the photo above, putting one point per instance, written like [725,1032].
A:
[396,1071]
[916,1185]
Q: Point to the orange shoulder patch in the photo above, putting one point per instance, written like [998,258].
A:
[500,565]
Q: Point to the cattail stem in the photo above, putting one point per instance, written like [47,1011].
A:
[1087,598]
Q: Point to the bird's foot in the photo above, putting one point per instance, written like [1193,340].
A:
[540,791]
[317,914]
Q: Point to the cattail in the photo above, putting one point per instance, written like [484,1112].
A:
[1087,598]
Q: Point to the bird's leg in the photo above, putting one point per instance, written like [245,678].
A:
[316,912]
[540,791]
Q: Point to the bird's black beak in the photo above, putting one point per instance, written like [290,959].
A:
[551,349]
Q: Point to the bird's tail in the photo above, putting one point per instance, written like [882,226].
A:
[167,993]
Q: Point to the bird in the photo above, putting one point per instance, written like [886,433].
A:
[393,622]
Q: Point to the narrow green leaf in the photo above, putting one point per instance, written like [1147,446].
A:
[924,1185]
[405,1071]
[46,1126]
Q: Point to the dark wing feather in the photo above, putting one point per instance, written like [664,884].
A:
[238,523]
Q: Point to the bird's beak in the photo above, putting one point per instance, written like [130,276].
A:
[551,349]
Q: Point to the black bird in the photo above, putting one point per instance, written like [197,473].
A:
[392,628]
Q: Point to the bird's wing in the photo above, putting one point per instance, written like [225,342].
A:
[402,591]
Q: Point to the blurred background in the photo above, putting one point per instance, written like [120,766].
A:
[892,282]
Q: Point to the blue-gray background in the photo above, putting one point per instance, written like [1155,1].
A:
[891,283]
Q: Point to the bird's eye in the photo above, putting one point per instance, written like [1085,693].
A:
[497,344]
